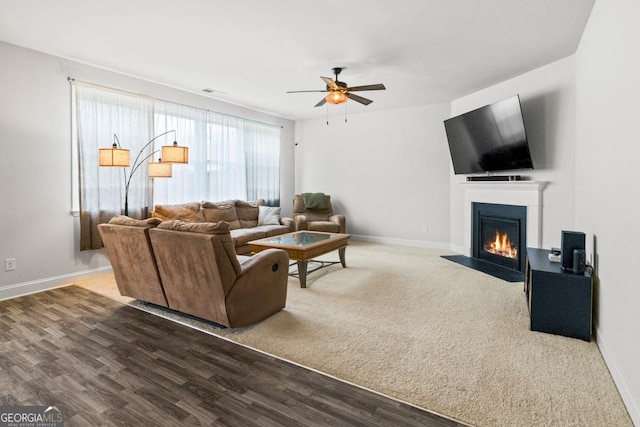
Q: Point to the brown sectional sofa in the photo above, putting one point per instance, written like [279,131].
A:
[193,268]
[243,218]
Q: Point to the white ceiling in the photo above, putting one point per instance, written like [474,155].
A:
[424,51]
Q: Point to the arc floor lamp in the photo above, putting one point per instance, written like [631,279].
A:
[116,156]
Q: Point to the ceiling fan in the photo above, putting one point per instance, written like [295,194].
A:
[339,92]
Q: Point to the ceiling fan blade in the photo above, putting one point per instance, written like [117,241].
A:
[321,103]
[359,99]
[303,91]
[378,86]
[330,83]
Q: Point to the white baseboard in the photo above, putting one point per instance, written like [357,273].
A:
[459,249]
[401,242]
[633,408]
[35,286]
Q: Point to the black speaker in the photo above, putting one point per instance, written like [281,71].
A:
[571,240]
[579,261]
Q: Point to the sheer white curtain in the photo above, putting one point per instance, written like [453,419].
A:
[188,182]
[101,113]
[262,154]
[227,170]
[229,157]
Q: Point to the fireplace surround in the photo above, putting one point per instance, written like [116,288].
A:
[526,196]
[518,193]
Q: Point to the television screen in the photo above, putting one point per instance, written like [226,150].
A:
[491,138]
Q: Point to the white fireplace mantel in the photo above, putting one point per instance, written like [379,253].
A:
[518,193]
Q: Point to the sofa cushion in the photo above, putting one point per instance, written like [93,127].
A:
[315,216]
[326,226]
[221,211]
[274,230]
[268,215]
[189,212]
[242,236]
[248,212]
[125,220]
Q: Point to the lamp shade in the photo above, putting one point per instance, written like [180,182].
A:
[336,97]
[159,170]
[116,157]
[175,153]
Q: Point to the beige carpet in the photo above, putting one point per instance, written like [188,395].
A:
[416,327]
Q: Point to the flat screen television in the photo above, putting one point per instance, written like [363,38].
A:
[491,138]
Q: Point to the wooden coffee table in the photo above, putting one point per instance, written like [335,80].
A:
[303,246]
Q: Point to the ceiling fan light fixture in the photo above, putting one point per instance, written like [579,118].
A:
[339,92]
[336,97]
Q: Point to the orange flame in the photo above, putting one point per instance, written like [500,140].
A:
[501,245]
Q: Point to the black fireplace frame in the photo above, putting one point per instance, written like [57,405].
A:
[513,213]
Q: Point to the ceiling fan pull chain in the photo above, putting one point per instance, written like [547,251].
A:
[327,114]
[345,112]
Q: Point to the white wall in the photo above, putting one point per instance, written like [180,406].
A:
[387,171]
[36,225]
[547,95]
[607,175]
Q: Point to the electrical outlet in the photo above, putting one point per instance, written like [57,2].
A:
[9,264]
[425,229]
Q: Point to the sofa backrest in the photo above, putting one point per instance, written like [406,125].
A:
[238,213]
[221,211]
[131,255]
[248,212]
[198,266]
[188,212]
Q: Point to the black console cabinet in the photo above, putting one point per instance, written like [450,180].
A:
[559,303]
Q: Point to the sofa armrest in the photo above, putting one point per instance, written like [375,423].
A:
[301,222]
[289,223]
[340,220]
[260,290]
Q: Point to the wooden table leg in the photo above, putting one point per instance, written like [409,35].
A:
[341,252]
[302,273]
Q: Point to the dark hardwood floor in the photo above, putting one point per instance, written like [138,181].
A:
[104,364]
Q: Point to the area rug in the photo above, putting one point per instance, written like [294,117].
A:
[416,327]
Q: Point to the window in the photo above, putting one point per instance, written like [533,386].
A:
[229,157]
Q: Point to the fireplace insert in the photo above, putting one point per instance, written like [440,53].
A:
[500,234]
